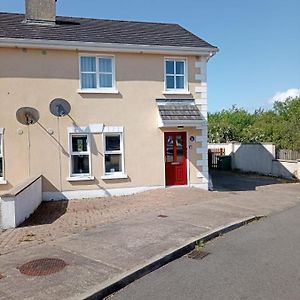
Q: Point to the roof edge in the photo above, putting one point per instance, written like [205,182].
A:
[109,47]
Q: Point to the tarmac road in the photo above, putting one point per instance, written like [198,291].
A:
[258,261]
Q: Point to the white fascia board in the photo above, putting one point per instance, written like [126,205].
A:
[107,47]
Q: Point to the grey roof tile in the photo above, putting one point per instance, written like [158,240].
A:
[177,111]
[100,31]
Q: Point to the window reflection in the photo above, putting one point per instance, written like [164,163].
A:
[170,149]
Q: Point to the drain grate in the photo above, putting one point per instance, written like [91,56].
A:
[42,267]
[195,254]
[162,216]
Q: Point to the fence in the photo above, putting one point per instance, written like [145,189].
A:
[213,156]
[286,154]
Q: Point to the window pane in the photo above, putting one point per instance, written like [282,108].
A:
[105,80]
[179,147]
[170,149]
[113,163]
[169,67]
[88,81]
[112,143]
[79,143]
[170,82]
[1,167]
[80,164]
[179,82]
[105,65]
[88,64]
[180,67]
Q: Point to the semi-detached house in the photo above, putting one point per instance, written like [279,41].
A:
[138,98]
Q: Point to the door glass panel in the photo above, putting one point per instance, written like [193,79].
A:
[170,149]
[179,148]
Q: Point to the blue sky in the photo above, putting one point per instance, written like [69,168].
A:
[259,41]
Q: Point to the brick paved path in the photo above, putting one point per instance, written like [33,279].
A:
[53,220]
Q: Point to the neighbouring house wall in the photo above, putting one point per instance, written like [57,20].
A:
[34,77]
[20,202]
[259,158]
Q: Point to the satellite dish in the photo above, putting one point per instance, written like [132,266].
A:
[60,107]
[27,115]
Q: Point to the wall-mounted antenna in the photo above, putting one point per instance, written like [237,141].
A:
[60,107]
[27,115]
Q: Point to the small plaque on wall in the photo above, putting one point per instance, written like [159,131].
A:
[192,139]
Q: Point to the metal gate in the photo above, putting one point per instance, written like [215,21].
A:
[213,157]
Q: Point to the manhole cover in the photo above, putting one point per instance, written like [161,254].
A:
[162,216]
[195,254]
[42,267]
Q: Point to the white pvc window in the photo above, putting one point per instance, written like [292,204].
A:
[175,74]
[97,72]
[80,155]
[113,154]
[1,158]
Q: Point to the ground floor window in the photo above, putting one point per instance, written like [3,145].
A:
[113,153]
[80,155]
[1,158]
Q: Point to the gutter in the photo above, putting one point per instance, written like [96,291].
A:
[107,47]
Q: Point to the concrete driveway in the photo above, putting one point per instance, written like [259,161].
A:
[233,181]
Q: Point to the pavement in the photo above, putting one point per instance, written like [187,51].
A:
[259,261]
[100,255]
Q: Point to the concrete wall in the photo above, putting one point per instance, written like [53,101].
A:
[258,158]
[20,202]
[30,77]
[253,157]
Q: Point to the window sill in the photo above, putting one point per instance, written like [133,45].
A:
[97,91]
[83,178]
[174,92]
[114,176]
[2,182]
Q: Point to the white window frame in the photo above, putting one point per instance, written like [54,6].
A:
[98,89]
[1,155]
[114,175]
[88,152]
[185,75]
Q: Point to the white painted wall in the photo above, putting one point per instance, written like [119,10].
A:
[259,158]
[285,168]
[20,202]
[253,157]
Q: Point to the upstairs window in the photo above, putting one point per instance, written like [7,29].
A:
[80,155]
[97,72]
[1,158]
[175,75]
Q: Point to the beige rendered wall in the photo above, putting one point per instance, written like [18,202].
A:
[33,78]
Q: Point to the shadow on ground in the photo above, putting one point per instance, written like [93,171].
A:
[224,181]
[47,213]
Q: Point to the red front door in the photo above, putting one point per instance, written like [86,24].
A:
[175,158]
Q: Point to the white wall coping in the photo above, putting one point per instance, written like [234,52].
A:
[15,191]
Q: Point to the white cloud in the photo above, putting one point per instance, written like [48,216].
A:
[282,96]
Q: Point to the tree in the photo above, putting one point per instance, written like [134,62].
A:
[279,125]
